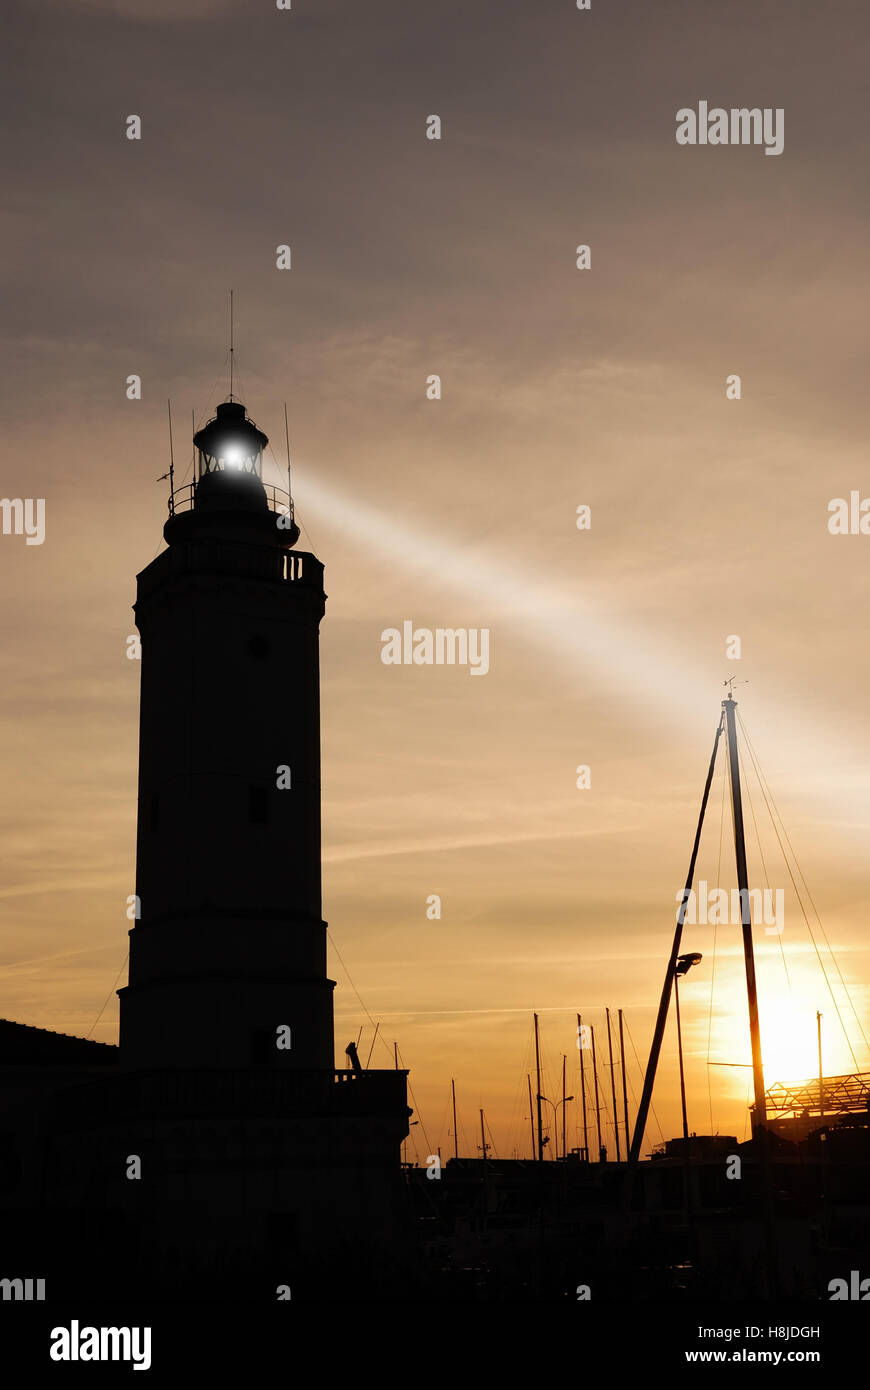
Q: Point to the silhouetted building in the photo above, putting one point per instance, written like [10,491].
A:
[225,1145]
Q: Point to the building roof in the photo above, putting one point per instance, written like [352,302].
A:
[22,1045]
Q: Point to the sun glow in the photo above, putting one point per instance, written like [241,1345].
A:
[789,1028]
[789,1041]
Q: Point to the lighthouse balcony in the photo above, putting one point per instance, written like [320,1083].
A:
[277,499]
[197,555]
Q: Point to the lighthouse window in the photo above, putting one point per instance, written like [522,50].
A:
[258,805]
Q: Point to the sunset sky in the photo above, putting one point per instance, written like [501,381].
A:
[561,387]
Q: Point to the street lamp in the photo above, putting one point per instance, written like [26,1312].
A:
[682,967]
[556,1116]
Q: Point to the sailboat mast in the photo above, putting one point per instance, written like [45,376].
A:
[729,707]
[597,1105]
[583,1089]
[613,1087]
[564,1106]
[538,1093]
[455,1131]
[664,1002]
[624,1091]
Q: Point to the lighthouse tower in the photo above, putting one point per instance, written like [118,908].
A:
[260,1165]
[256,1142]
[228,953]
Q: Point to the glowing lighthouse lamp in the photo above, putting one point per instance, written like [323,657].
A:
[228,483]
[230,459]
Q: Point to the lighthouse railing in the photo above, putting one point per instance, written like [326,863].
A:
[278,499]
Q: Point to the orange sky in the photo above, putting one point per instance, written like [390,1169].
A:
[560,387]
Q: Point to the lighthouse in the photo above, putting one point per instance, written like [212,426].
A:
[217,1151]
[260,1152]
[228,952]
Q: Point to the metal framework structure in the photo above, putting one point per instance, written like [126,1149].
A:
[841,1095]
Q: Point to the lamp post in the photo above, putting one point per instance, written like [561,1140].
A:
[682,967]
[556,1107]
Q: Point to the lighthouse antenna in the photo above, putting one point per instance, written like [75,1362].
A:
[171,474]
[287,441]
[232,343]
[289,483]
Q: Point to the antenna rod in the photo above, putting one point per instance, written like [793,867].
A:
[171,462]
[821,1073]
[583,1089]
[613,1088]
[664,1002]
[374,1040]
[232,343]
[287,440]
